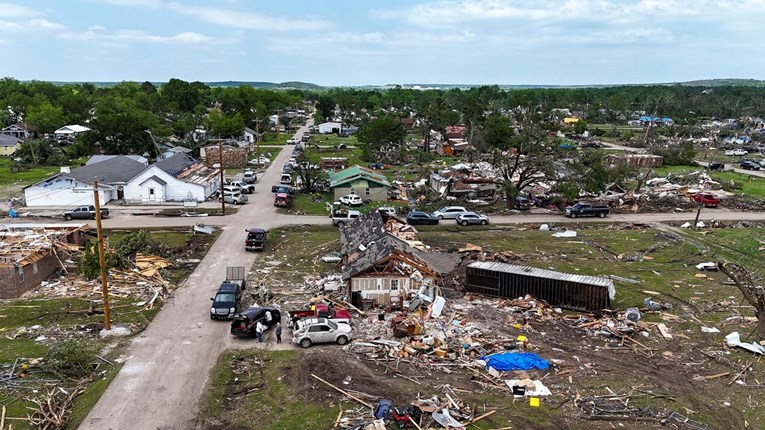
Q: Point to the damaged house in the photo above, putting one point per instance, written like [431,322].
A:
[383,268]
[462,182]
[30,254]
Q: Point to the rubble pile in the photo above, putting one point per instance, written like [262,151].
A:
[143,281]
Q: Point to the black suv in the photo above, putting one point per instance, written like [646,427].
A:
[716,165]
[749,165]
[226,301]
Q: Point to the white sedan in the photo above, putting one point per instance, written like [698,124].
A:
[262,161]
[351,200]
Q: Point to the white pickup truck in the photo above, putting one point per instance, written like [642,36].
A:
[246,188]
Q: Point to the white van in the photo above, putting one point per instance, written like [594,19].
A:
[285,179]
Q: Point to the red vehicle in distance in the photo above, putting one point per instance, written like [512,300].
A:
[706,199]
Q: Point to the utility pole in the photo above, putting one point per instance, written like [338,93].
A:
[220,160]
[101,257]
[257,139]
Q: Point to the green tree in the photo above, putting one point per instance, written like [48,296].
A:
[46,117]
[39,152]
[220,124]
[380,135]
[120,127]
[580,127]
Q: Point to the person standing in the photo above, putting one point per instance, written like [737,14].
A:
[269,319]
[278,332]
[259,328]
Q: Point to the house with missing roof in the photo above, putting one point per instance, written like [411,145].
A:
[120,177]
[175,179]
[360,181]
[383,261]
[71,130]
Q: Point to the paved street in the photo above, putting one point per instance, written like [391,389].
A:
[162,381]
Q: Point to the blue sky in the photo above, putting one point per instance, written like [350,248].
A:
[359,42]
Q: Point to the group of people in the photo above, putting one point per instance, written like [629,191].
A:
[261,327]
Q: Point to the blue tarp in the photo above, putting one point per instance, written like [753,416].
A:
[515,361]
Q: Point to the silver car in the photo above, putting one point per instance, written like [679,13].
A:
[322,332]
[449,212]
[466,218]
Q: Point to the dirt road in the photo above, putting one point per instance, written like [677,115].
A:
[166,370]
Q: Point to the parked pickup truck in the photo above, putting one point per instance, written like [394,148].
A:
[282,200]
[246,188]
[226,302]
[320,310]
[340,216]
[586,209]
[256,239]
[85,212]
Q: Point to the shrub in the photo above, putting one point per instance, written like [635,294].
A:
[70,359]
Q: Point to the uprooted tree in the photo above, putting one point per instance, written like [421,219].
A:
[753,294]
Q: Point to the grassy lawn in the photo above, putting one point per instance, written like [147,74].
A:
[297,262]
[260,396]
[24,321]
[739,183]
[315,204]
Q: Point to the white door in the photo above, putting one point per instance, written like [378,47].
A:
[152,195]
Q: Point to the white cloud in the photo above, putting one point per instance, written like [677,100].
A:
[10,10]
[133,3]
[44,24]
[99,34]
[247,20]
[30,25]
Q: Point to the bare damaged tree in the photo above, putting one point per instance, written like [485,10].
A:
[753,294]
[309,174]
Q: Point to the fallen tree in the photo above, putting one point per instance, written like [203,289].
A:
[754,294]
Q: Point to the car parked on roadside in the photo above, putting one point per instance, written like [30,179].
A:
[245,323]
[351,200]
[466,218]
[736,152]
[421,218]
[716,165]
[322,332]
[261,161]
[226,301]
[522,203]
[85,212]
[749,165]
[449,212]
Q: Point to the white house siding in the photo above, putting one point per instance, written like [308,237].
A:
[174,190]
[59,191]
[329,127]
[384,289]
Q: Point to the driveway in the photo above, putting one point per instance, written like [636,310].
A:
[164,375]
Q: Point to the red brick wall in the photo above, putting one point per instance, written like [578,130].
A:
[11,283]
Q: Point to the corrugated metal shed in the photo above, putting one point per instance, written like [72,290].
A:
[571,291]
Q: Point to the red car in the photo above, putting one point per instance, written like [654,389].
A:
[706,199]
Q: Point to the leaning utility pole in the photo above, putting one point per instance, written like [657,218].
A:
[101,257]
[220,159]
